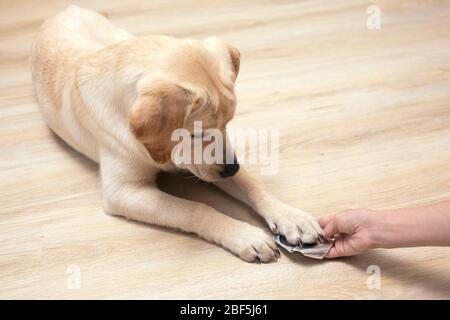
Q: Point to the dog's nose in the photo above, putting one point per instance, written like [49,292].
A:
[229,170]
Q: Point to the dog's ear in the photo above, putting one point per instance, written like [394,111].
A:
[235,57]
[159,109]
[228,56]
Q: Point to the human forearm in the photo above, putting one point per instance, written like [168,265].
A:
[413,227]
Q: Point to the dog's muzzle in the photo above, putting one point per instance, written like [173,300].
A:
[229,170]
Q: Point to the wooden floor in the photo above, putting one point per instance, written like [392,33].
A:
[364,120]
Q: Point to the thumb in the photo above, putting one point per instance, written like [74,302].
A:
[332,253]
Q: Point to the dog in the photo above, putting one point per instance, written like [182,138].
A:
[116,98]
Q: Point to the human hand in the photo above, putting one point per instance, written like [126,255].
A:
[353,231]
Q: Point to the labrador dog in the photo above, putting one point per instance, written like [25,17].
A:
[116,99]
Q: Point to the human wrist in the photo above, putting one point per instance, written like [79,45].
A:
[382,229]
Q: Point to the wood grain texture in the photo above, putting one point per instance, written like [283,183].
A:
[364,120]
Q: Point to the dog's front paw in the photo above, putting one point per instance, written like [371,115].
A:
[251,244]
[297,226]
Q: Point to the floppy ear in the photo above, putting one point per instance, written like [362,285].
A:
[228,56]
[235,56]
[160,108]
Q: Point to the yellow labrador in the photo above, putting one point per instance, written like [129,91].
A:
[116,99]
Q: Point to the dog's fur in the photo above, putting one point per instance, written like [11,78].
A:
[116,99]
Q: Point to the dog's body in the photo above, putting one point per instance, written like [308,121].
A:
[116,98]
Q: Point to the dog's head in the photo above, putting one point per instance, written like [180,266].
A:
[196,83]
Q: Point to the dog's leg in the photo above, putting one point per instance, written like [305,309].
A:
[295,225]
[127,195]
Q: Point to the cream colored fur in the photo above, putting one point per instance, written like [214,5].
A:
[115,98]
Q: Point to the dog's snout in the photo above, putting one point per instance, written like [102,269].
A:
[229,170]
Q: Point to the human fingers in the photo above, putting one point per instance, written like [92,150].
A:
[323,221]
